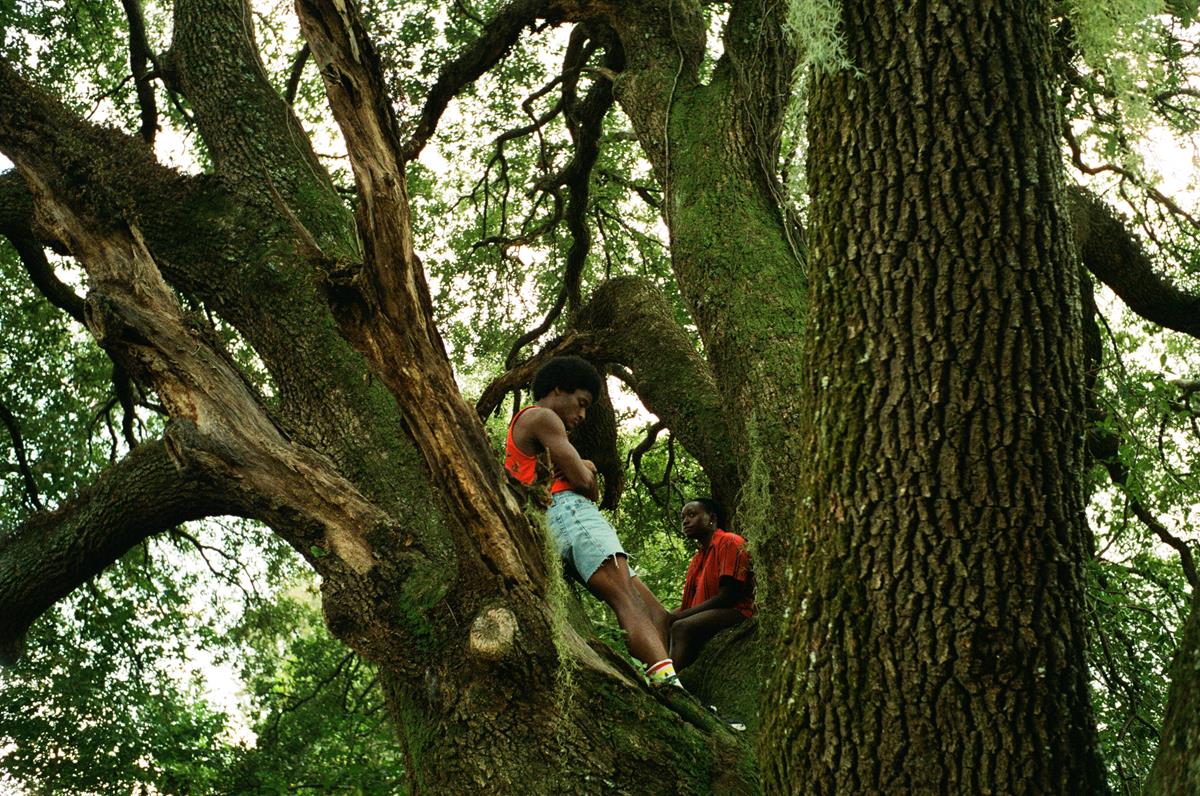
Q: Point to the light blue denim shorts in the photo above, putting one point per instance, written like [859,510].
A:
[582,537]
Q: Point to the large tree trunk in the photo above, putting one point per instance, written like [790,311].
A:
[937,639]
[1177,766]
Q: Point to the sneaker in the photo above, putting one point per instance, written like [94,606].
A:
[671,679]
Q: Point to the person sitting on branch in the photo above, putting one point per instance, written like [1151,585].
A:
[718,591]
[563,389]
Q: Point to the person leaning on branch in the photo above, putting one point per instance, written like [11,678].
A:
[718,591]
[563,389]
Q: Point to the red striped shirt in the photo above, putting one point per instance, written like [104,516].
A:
[725,556]
[522,465]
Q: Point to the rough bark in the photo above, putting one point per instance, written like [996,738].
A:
[632,325]
[1177,767]
[937,643]
[729,673]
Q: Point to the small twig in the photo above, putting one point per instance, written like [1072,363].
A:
[468,13]
[14,431]
[221,575]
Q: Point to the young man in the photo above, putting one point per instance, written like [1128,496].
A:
[563,389]
[718,591]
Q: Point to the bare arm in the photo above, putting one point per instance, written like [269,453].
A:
[548,430]
[728,593]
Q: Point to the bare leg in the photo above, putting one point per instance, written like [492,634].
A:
[689,635]
[658,614]
[613,584]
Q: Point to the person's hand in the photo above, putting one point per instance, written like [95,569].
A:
[591,465]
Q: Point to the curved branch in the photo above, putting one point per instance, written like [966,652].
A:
[1104,446]
[52,553]
[1117,259]
[585,121]
[499,35]
[33,257]
[528,337]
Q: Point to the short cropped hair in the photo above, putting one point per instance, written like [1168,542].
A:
[712,507]
[569,374]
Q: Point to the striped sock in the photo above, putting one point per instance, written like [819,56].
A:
[662,673]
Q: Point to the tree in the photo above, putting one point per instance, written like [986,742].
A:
[893,392]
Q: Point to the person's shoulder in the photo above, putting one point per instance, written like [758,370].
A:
[730,538]
[535,415]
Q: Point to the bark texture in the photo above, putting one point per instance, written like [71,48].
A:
[937,638]
[1177,766]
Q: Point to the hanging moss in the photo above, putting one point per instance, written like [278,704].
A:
[814,26]
[558,599]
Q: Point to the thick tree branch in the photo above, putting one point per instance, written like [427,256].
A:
[664,43]
[178,215]
[384,308]
[1117,259]
[52,553]
[1175,770]
[251,131]
[220,427]
[293,84]
[206,245]
[758,65]
[141,66]
[16,206]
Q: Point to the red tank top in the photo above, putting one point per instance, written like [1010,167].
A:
[522,465]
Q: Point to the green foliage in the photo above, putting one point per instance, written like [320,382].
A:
[169,675]
[320,723]
[1184,10]
[68,434]
[94,706]
[117,691]
[1138,591]
[1136,605]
